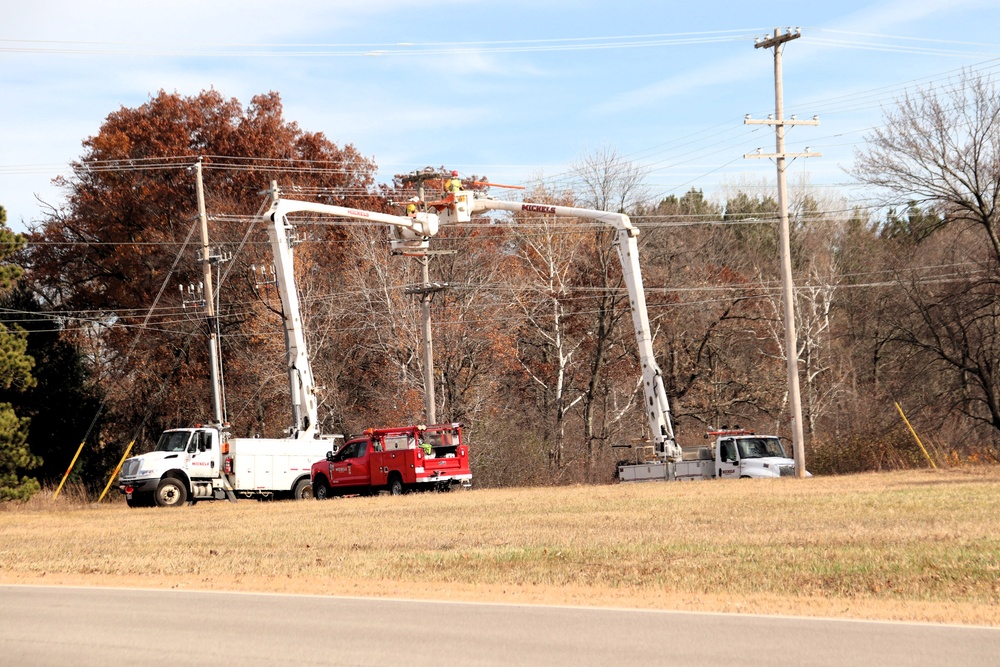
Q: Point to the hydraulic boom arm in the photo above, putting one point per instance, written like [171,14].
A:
[414,233]
[656,404]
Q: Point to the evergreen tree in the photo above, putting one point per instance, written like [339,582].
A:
[63,401]
[15,374]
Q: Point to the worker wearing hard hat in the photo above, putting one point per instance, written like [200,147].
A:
[411,208]
[453,184]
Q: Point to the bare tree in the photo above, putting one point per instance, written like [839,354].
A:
[609,183]
[939,152]
[547,350]
[943,150]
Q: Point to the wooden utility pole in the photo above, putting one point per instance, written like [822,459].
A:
[787,287]
[213,335]
[426,291]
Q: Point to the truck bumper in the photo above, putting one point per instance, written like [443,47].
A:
[444,480]
[138,486]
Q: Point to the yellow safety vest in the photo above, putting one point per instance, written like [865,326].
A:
[452,185]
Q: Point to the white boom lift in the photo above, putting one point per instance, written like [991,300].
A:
[415,233]
[412,235]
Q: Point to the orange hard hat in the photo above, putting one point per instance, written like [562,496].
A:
[454,173]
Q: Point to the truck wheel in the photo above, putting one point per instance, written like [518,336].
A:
[170,493]
[303,490]
[320,491]
[395,486]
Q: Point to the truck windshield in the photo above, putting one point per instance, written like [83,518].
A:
[173,441]
[759,448]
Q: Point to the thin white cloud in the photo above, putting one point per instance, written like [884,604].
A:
[207,21]
[880,17]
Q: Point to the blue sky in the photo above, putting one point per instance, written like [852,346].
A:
[513,90]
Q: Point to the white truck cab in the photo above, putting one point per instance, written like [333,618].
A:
[744,454]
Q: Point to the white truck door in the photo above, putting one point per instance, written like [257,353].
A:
[727,463]
[203,455]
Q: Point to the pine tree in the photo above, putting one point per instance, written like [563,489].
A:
[15,372]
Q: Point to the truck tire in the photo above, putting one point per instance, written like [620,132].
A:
[170,492]
[395,486]
[320,489]
[303,490]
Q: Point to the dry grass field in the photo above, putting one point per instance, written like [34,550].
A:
[919,545]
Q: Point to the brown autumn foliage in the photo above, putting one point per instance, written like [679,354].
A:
[126,234]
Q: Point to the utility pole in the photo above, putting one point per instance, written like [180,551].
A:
[426,291]
[213,335]
[425,313]
[787,287]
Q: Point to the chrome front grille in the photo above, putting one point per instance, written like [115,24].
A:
[130,468]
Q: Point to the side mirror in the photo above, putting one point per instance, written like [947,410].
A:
[329,457]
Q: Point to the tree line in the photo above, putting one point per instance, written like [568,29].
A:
[896,303]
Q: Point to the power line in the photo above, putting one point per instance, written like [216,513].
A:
[348,50]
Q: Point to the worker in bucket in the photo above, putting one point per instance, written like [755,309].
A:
[411,208]
[453,184]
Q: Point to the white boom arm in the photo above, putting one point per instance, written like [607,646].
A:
[415,233]
[656,404]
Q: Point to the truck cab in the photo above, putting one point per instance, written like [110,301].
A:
[743,454]
[184,462]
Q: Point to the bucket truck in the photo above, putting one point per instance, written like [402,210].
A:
[733,454]
[204,463]
[656,405]
[736,454]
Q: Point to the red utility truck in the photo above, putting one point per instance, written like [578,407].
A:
[395,460]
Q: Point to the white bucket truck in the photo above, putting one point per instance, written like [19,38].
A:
[202,463]
[734,454]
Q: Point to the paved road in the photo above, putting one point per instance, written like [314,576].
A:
[95,626]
